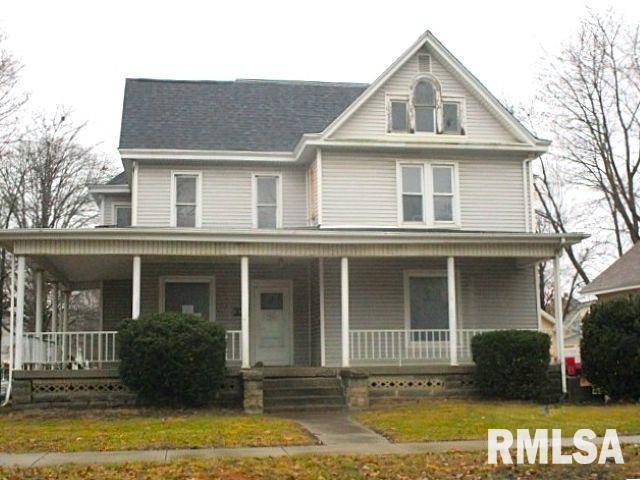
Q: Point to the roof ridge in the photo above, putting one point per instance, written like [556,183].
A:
[255,80]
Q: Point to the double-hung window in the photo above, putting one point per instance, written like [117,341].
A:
[427,305]
[427,194]
[412,193]
[122,215]
[186,194]
[267,201]
[443,193]
[398,108]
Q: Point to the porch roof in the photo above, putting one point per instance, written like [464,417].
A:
[310,242]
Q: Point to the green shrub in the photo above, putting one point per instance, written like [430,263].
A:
[610,347]
[511,364]
[172,359]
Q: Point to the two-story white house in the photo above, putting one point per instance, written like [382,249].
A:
[323,224]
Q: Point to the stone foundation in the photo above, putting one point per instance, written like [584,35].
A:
[356,388]
[252,396]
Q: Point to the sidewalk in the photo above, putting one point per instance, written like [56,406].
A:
[377,448]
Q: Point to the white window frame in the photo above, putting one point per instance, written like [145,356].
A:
[398,97]
[407,275]
[193,173]
[455,200]
[462,114]
[400,185]
[254,197]
[437,107]
[114,211]
[211,280]
[427,199]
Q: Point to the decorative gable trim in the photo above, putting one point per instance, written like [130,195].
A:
[460,71]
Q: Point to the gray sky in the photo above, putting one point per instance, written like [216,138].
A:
[78,53]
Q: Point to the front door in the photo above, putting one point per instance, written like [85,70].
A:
[271,322]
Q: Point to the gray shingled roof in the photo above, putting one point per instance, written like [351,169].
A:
[256,115]
[623,273]
[119,179]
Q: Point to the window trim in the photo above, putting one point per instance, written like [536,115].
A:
[462,114]
[254,197]
[398,97]
[437,105]
[114,212]
[427,188]
[454,194]
[193,173]
[400,188]
[211,280]
[422,273]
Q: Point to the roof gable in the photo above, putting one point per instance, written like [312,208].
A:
[487,119]
[623,274]
[242,115]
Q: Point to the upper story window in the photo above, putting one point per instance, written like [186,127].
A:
[427,194]
[122,215]
[412,193]
[424,104]
[267,201]
[186,204]
[424,110]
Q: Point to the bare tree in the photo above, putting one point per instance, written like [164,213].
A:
[58,168]
[593,91]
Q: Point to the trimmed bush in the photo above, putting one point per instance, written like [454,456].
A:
[172,359]
[610,347]
[511,364]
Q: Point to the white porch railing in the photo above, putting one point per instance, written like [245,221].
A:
[86,350]
[234,345]
[69,350]
[409,346]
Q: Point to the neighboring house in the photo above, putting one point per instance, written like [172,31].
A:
[323,224]
[572,323]
[622,278]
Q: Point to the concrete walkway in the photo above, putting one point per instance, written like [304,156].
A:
[378,448]
[336,428]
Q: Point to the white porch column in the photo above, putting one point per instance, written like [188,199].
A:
[39,280]
[453,315]
[323,352]
[344,302]
[135,290]
[20,312]
[557,296]
[54,306]
[244,309]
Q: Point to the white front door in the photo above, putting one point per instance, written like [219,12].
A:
[271,329]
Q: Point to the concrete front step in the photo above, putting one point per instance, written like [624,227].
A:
[311,407]
[305,400]
[303,391]
[303,382]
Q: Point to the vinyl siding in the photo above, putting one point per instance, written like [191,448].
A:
[491,293]
[109,202]
[361,190]
[227,293]
[370,120]
[226,195]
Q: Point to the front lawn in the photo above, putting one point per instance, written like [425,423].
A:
[467,419]
[453,465]
[137,429]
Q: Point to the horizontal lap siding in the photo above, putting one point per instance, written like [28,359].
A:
[226,195]
[370,119]
[109,202]
[116,303]
[227,293]
[491,293]
[361,190]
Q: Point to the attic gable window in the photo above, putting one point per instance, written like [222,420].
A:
[451,117]
[399,115]
[424,104]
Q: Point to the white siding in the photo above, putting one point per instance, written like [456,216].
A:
[370,119]
[226,195]
[361,190]
[491,293]
[109,201]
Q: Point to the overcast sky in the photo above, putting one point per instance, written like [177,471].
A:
[78,53]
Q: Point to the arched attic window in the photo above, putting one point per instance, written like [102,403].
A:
[426,105]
